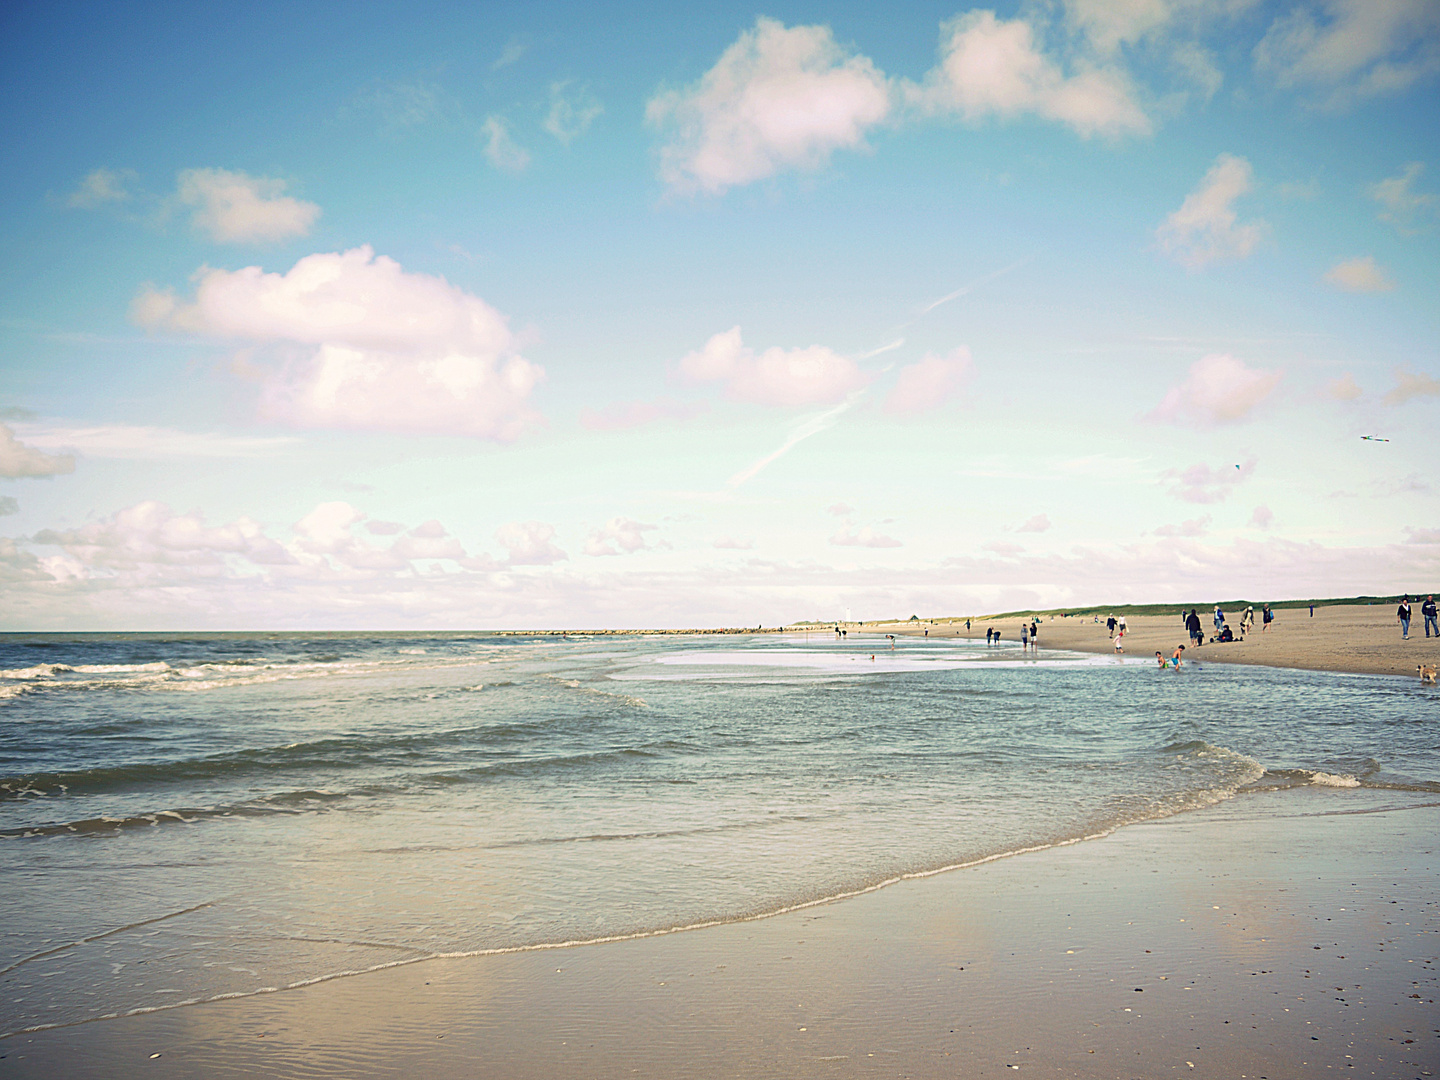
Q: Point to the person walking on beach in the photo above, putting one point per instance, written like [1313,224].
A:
[1219,618]
[1266,618]
[1110,625]
[1427,609]
[1119,643]
[1121,624]
[1024,637]
[1192,624]
[1403,614]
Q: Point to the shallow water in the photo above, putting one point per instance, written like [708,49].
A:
[189,816]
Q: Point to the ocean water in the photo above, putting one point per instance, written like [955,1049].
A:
[185,817]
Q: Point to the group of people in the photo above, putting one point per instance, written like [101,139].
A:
[1427,610]
[1223,632]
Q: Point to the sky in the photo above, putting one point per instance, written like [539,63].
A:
[443,316]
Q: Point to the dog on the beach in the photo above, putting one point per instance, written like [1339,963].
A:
[1427,674]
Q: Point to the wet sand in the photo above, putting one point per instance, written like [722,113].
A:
[1352,638]
[1276,935]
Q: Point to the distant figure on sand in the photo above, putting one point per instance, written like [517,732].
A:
[1427,609]
[1219,618]
[1266,618]
[1247,620]
[1192,624]
[967,626]
[1024,636]
[1403,614]
[1110,625]
[1121,624]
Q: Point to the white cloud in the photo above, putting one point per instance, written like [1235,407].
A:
[1409,385]
[8,506]
[1359,275]
[1204,485]
[840,509]
[1355,48]
[728,543]
[1038,524]
[1003,549]
[777,99]
[847,536]
[1205,229]
[1262,518]
[19,460]
[1422,536]
[530,543]
[619,536]
[140,443]
[633,414]
[514,49]
[150,534]
[1401,205]
[1191,527]
[1220,389]
[326,529]
[929,383]
[571,111]
[238,209]
[100,187]
[501,150]
[1345,388]
[390,350]
[811,376]
[991,67]
[384,528]
[1109,24]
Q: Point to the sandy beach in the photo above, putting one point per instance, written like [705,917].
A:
[1232,942]
[1353,638]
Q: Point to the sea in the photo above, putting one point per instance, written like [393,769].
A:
[187,817]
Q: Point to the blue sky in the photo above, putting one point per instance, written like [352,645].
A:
[484,315]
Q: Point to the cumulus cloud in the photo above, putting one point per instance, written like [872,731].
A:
[1191,527]
[1346,50]
[1202,484]
[530,543]
[779,98]
[929,383]
[1003,549]
[840,509]
[619,536]
[8,506]
[100,187]
[633,414]
[729,543]
[847,536]
[1220,389]
[18,460]
[500,149]
[384,528]
[1359,275]
[993,67]
[1410,385]
[1262,517]
[234,208]
[810,376]
[1345,388]
[1422,536]
[1038,524]
[1400,204]
[571,111]
[1206,228]
[150,533]
[384,349]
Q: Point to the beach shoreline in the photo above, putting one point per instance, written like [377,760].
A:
[1351,638]
[1276,934]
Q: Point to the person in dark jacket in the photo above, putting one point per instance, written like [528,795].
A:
[1192,623]
[1427,609]
[1403,614]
